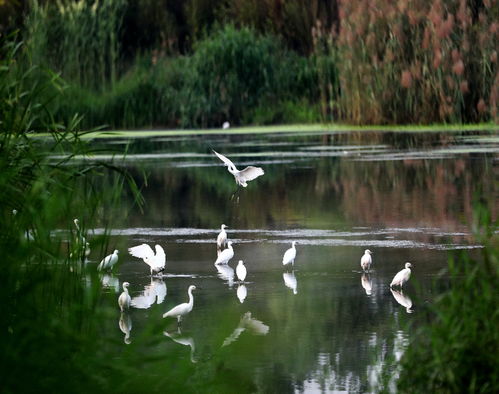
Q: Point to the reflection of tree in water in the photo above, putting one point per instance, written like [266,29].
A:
[398,193]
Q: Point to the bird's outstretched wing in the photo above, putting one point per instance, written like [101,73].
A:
[143,252]
[160,257]
[250,173]
[227,162]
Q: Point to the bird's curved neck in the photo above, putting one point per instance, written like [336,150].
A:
[191,297]
[232,169]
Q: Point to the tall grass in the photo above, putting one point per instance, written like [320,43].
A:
[416,61]
[455,350]
[79,39]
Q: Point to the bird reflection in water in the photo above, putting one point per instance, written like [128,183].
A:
[154,292]
[242,293]
[125,324]
[367,283]
[290,281]
[182,339]
[226,272]
[111,282]
[254,326]
[403,300]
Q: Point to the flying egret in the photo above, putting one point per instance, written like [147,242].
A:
[225,255]
[241,293]
[290,281]
[182,309]
[241,271]
[402,299]
[366,283]
[156,262]
[125,324]
[108,262]
[289,256]
[243,176]
[124,299]
[222,238]
[402,276]
[366,260]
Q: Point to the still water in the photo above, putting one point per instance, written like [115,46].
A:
[322,325]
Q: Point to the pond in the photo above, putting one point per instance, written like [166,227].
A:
[321,325]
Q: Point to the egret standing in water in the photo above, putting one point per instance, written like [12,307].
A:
[124,299]
[182,309]
[402,276]
[155,261]
[108,262]
[290,255]
[222,238]
[243,176]
[366,260]
[225,255]
[81,242]
[241,271]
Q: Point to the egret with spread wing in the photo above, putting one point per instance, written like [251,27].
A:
[243,176]
[155,261]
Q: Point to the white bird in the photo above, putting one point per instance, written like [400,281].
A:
[290,281]
[225,255]
[125,324]
[156,262]
[108,262]
[82,246]
[290,255]
[243,176]
[182,309]
[241,293]
[402,299]
[366,283]
[124,299]
[241,271]
[155,292]
[366,260]
[225,125]
[222,237]
[402,276]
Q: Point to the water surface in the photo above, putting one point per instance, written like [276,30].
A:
[321,325]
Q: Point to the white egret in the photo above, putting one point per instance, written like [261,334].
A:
[290,281]
[402,276]
[82,246]
[243,176]
[182,340]
[155,292]
[241,271]
[108,262]
[222,238]
[156,262]
[125,324]
[225,255]
[402,299]
[225,125]
[366,260]
[124,299]
[182,309]
[290,255]
[241,293]
[366,283]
